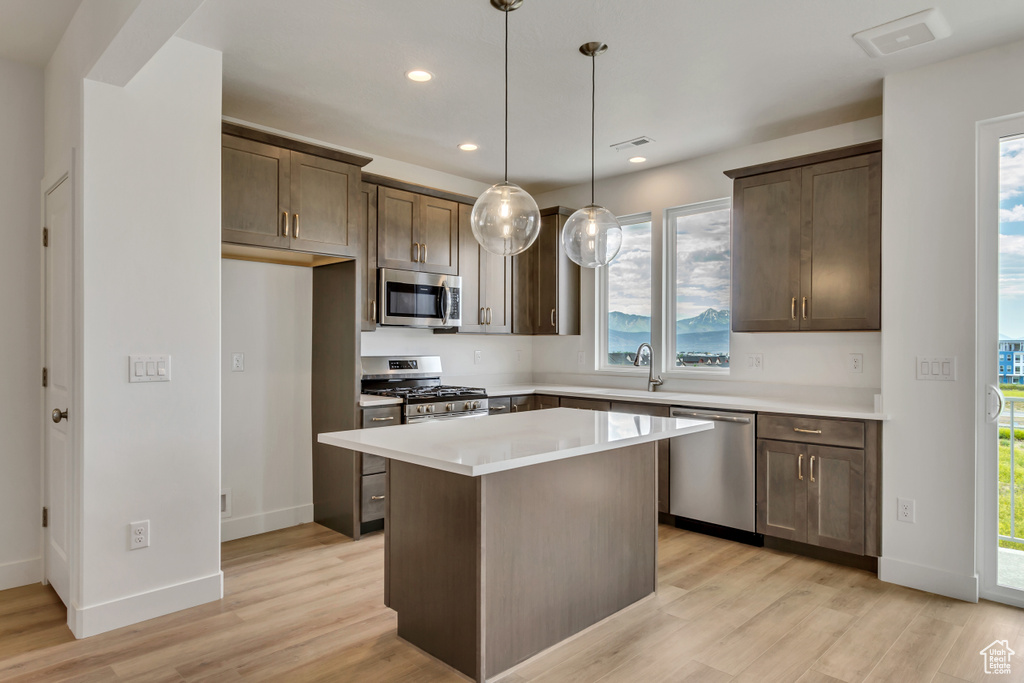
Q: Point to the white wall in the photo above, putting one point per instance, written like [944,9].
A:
[21,171]
[799,364]
[151,284]
[266,437]
[928,308]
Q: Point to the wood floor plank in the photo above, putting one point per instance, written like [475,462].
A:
[695,672]
[918,652]
[988,622]
[792,655]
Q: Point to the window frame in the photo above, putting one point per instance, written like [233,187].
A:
[668,340]
[601,306]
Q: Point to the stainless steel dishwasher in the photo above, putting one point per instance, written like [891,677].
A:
[712,472]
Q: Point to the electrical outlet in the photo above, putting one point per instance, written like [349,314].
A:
[755,361]
[477,357]
[905,510]
[238,362]
[855,362]
[519,355]
[139,535]
[581,358]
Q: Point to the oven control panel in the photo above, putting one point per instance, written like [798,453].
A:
[403,364]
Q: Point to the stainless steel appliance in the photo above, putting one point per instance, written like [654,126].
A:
[415,299]
[417,381]
[712,472]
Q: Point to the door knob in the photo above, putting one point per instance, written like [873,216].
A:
[59,415]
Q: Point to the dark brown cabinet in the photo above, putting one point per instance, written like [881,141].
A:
[546,283]
[417,232]
[286,198]
[806,243]
[373,467]
[486,283]
[368,258]
[584,403]
[543,402]
[817,482]
[664,446]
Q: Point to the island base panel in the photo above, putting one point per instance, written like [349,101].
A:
[487,571]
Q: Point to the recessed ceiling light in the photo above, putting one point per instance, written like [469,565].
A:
[419,75]
[467,147]
[637,160]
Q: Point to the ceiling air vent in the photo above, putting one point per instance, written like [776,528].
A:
[631,144]
[917,29]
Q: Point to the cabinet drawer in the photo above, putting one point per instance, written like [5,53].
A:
[584,404]
[384,416]
[521,404]
[373,464]
[373,497]
[499,406]
[813,430]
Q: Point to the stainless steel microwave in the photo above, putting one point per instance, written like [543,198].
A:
[419,299]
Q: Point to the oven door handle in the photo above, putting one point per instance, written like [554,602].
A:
[446,302]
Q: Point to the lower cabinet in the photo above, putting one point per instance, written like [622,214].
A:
[372,496]
[542,401]
[510,404]
[584,404]
[810,490]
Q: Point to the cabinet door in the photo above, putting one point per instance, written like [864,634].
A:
[437,232]
[474,318]
[782,490]
[254,193]
[324,202]
[368,255]
[835,498]
[396,221]
[584,404]
[766,252]
[544,402]
[521,404]
[840,263]
[499,406]
[544,290]
[496,284]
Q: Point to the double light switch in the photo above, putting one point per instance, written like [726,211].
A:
[149,368]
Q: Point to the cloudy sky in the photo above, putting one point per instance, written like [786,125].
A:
[702,262]
[1011,238]
[629,275]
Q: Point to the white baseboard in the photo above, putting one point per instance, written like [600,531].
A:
[928,579]
[250,525]
[21,573]
[95,619]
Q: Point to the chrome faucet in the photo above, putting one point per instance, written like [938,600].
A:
[652,381]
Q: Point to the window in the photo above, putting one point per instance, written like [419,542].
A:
[698,234]
[625,300]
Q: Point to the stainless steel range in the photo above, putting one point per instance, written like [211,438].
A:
[417,381]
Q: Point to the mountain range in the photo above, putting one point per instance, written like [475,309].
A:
[707,332]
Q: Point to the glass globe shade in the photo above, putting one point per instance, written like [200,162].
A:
[505,220]
[592,236]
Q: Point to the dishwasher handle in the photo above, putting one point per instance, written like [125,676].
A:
[677,412]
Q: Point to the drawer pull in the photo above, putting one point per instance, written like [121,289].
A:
[382,419]
[497,407]
[376,497]
[800,467]
[812,468]
[806,431]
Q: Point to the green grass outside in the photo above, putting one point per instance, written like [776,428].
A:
[1012,390]
[1004,486]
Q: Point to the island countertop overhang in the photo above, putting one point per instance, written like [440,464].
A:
[493,443]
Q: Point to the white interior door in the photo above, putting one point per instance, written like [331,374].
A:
[58,359]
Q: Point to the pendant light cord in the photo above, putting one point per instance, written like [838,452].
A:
[506,95]
[593,119]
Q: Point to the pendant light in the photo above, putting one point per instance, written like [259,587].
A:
[505,218]
[592,236]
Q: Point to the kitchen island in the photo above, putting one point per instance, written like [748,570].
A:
[505,535]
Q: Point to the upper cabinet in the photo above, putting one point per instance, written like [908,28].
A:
[546,283]
[486,283]
[806,243]
[287,194]
[417,232]
[368,260]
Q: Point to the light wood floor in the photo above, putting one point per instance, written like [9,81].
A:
[305,604]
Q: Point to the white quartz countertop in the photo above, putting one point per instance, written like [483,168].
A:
[715,401]
[372,401]
[492,443]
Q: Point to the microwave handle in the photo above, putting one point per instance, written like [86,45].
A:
[446,302]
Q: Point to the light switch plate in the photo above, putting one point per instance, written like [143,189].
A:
[149,368]
[936,368]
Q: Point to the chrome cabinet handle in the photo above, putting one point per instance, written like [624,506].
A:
[416,254]
[382,419]
[284,223]
[57,415]
[792,308]
[803,307]
[806,431]
[295,224]
[553,318]
[377,497]
[812,469]
[800,467]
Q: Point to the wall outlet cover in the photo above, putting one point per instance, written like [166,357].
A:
[477,357]
[237,362]
[755,362]
[855,362]
[905,510]
[138,535]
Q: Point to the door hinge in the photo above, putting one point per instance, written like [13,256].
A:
[46,237]
[46,517]
[46,376]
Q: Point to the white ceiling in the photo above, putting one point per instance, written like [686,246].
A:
[31,29]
